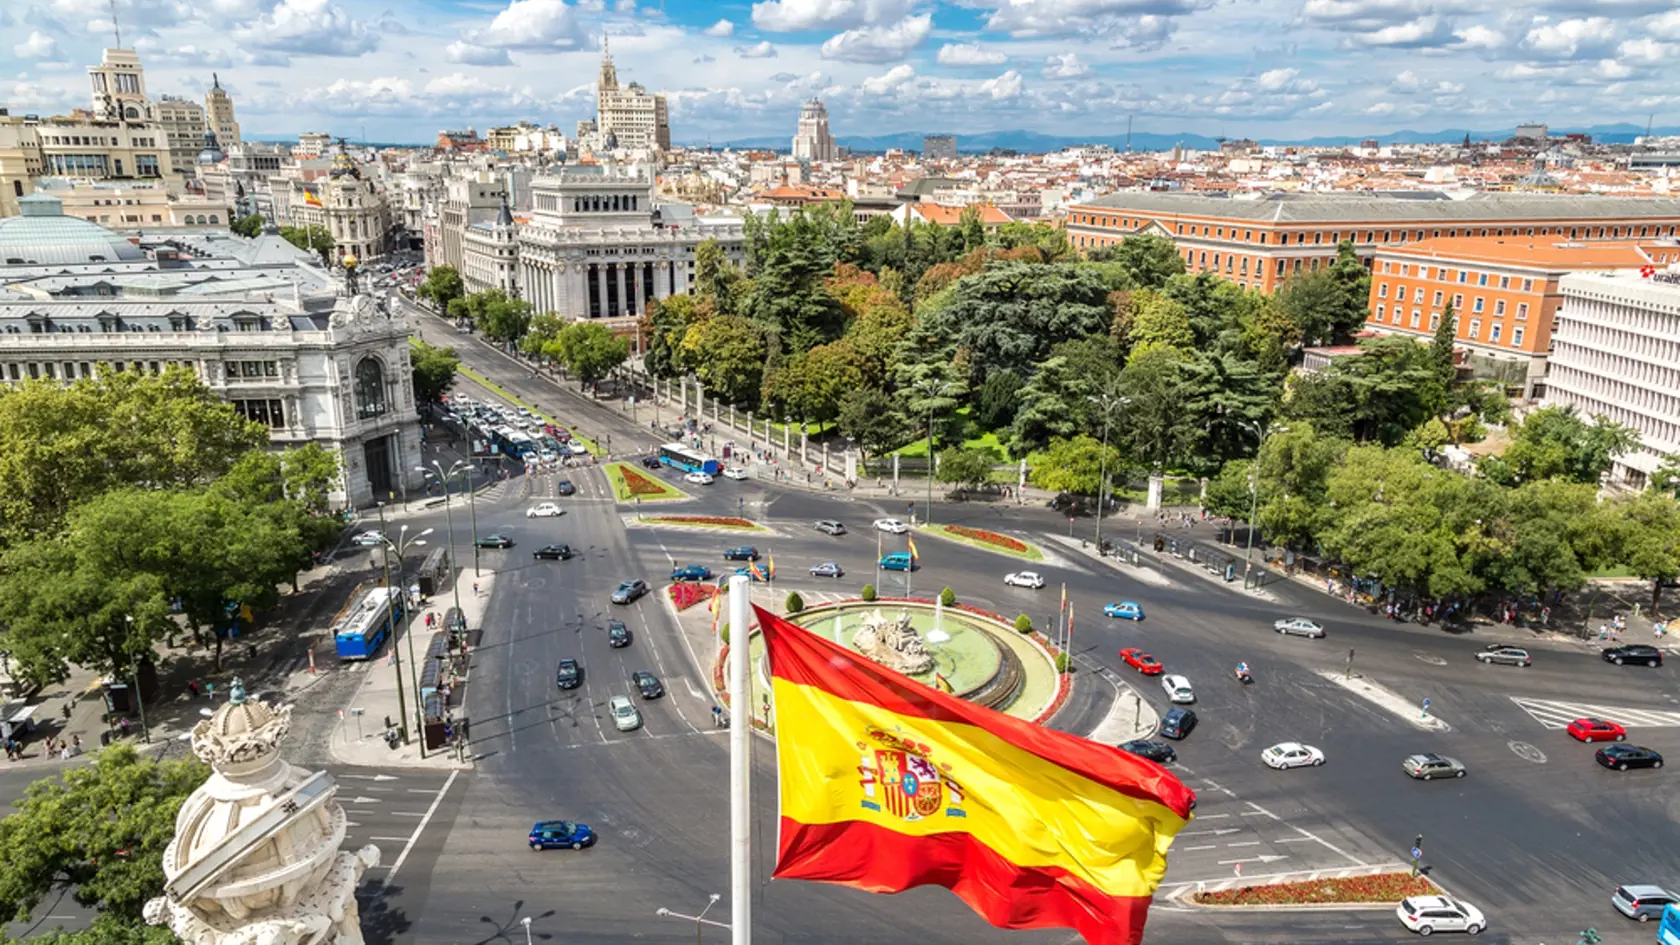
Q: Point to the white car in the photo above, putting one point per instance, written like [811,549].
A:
[624,715]
[369,539]
[734,472]
[891,525]
[1299,626]
[1292,755]
[545,510]
[548,456]
[1426,915]
[1178,689]
[698,478]
[1024,579]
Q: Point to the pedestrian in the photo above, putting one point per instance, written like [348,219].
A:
[475,588]
[64,752]
[717,716]
[192,687]
[76,744]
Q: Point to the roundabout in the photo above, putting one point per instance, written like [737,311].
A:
[969,653]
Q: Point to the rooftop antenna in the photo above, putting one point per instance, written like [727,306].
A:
[115,26]
[1128,134]
[1652,118]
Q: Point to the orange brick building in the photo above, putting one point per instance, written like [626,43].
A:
[1258,241]
[1504,292]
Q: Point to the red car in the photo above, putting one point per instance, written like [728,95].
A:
[1597,730]
[1142,662]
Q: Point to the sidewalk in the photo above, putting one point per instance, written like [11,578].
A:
[358,738]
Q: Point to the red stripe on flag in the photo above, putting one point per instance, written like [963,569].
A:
[861,854]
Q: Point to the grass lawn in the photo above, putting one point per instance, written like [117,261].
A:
[1615,572]
[1032,553]
[480,379]
[973,439]
[621,489]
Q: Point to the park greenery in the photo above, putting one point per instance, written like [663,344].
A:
[97,831]
[136,508]
[434,370]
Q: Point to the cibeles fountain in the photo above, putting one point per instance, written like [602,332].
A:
[256,859]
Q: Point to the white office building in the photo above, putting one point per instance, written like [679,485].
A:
[1616,353]
[812,141]
[598,246]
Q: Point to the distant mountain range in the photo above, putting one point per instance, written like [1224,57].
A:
[1032,142]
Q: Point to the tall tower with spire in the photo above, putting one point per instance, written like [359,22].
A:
[628,117]
[218,113]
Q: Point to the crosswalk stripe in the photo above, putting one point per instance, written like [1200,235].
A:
[1558,715]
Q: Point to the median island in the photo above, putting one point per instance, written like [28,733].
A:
[1375,889]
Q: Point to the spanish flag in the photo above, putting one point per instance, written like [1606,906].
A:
[912,540]
[756,571]
[770,565]
[310,198]
[888,784]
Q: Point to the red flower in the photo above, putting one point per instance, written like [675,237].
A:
[639,484]
[990,538]
[721,520]
[1380,887]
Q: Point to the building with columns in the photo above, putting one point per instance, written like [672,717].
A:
[598,246]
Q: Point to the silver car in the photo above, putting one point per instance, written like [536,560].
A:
[1299,626]
[624,715]
[1428,767]
[1642,902]
[1508,655]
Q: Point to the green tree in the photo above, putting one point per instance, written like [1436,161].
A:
[1051,405]
[1009,316]
[1154,424]
[1667,477]
[789,290]
[499,317]
[1441,353]
[1354,280]
[98,830]
[1148,260]
[249,226]
[542,331]
[1159,322]
[1328,304]
[1541,536]
[1268,335]
[716,278]
[1074,464]
[1212,305]
[442,285]
[1224,396]
[64,444]
[434,370]
[965,467]
[871,418]
[1555,442]
[667,321]
[315,239]
[591,351]
[1405,522]
[996,401]
[811,386]
[728,355]
[1295,467]
[972,229]
[1647,538]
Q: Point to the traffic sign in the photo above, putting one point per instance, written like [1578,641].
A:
[1416,853]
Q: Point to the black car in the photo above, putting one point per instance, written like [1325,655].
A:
[1623,756]
[1177,724]
[650,462]
[1633,653]
[741,553]
[647,684]
[618,635]
[569,674]
[565,487]
[554,553]
[494,541]
[1160,752]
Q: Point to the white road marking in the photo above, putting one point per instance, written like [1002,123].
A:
[425,819]
[1262,858]
[390,839]
[1211,816]
[1557,715]
[1245,843]
[1209,846]
[1211,833]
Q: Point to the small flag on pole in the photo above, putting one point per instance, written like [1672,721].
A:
[913,554]
[943,684]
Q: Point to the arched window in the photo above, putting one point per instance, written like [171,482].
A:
[370,389]
[214,218]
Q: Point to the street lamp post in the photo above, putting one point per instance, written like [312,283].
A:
[931,390]
[401,545]
[448,517]
[134,676]
[1254,491]
[1106,402]
[526,921]
[700,921]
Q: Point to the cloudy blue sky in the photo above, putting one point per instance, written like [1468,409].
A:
[1263,68]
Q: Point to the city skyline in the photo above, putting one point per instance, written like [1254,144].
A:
[1257,68]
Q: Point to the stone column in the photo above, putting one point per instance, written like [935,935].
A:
[600,290]
[804,446]
[1156,482]
[895,474]
[661,284]
[717,410]
[787,440]
[684,407]
[825,456]
[640,294]
[732,417]
[752,441]
[623,287]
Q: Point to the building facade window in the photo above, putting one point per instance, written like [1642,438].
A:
[1494,332]
[1479,304]
[1522,310]
[1517,337]
[370,389]
[1475,328]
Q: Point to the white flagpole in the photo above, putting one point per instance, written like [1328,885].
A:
[740,759]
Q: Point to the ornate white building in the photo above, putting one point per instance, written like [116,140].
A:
[628,118]
[597,245]
[490,254]
[812,142]
[256,858]
[261,325]
[354,210]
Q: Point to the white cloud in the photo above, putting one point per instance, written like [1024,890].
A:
[1273,80]
[1406,82]
[308,28]
[970,54]
[1646,50]
[1666,26]
[1004,86]
[1144,32]
[1065,66]
[720,28]
[38,46]
[1479,37]
[704,58]
[1567,39]
[879,43]
[1611,69]
[1051,18]
[472,54]
[760,50]
[794,15]
[1423,31]
[895,78]
[533,25]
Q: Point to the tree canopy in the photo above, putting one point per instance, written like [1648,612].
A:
[434,370]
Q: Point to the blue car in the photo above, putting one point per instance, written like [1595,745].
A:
[1125,609]
[692,572]
[554,834]
[758,576]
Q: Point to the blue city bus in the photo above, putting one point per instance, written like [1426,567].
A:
[361,630]
[1669,932]
[681,457]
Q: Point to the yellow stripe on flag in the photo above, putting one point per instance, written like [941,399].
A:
[913,554]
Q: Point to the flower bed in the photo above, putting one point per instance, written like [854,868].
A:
[1013,545]
[631,485]
[638,484]
[988,541]
[704,521]
[688,593]
[1375,888]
